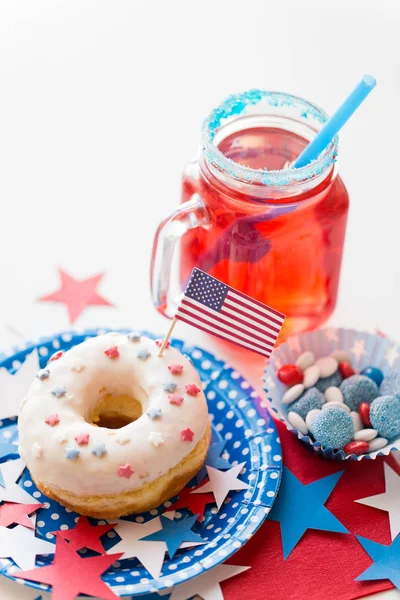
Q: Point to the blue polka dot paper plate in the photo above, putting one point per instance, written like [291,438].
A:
[237,417]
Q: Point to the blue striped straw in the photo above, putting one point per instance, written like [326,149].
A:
[336,122]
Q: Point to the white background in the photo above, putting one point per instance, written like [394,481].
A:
[101,104]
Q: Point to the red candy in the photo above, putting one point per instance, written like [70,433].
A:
[346,369]
[357,447]
[364,409]
[56,355]
[291,375]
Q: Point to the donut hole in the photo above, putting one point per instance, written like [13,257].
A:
[116,411]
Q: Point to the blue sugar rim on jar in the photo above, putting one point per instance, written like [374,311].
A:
[237,105]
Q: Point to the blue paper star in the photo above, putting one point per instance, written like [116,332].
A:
[386,561]
[169,386]
[43,374]
[143,354]
[5,450]
[99,450]
[154,412]
[72,453]
[134,336]
[174,533]
[300,507]
[214,459]
[59,391]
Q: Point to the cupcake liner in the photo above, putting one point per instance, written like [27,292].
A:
[366,349]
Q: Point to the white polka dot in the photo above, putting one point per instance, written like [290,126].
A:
[223,384]
[211,395]
[199,552]
[210,526]
[223,516]
[172,567]
[16,364]
[235,375]
[55,344]
[230,414]
[40,523]
[67,337]
[239,423]
[36,494]
[64,527]
[111,534]
[274,476]
[232,394]
[236,544]
[214,375]
[135,573]
[267,448]
[244,511]
[139,519]
[277,457]
[219,427]
[186,559]
[220,405]
[251,412]
[247,495]
[242,403]
[55,516]
[254,519]
[206,365]
[252,476]
[120,579]
[260,422]
[197,354]
[270,430]
[28,483]
[248,432]
[49,535]
[235,504]
[154,511]
[236,444]
[145,580]
[245,451]
[228,435]
[43,351]
[167,504]
[257,440]
[270,494]
[245,385]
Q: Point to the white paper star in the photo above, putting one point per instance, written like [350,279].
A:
[13,388]
[12,492]
[358,349]
[221,482]
[270,383]
[207,585]
[22,545]
[388,501]
[331,335]
[391,354]
[156,438]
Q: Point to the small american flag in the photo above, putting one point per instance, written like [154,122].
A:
[216,308]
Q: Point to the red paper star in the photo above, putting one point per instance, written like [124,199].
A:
[175,369]
[175,399]
[52,420]
[85,535]
[12,513]
[77,294]
[160,342]
[194,502]
[187,435]
[71,575]
[112,352]
[192,389]
[82,439]
[126,471]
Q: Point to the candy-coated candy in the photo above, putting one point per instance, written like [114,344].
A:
[385,416]
[377,444]
[357,422]
[305,360]
[297,422]
[365,435]
[357,447]
[311,417]
[364,410]
[357,389]
[290,375]
[337,404]
[327,366]
[342,356]
[334,380]
[311,399]
[293,393]
[333,394]
[374,374]
[311,376]
[346,369]
[333,428]
[391,384]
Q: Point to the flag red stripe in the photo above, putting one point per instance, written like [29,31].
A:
[235,309]
[254,310]
[276,312]
[273,336]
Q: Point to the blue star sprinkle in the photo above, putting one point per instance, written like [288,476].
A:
[386,561]
[214,459]
[169,387]
[99,450]
[300,507]
[174,533]
[72,453]
[43,374]
[143,354]
[153,412]
[59,391]
[5,450]
[134,336]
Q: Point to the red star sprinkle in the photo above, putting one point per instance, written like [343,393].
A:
[70,575]
[112,352]
[192,389]
[126,471]
[175,369]
[85,535]
[187,435]
[56,356]
[52,420]
[175,399]
[160,342]
[12,513]
[196,503]
[82,439]
[77,294]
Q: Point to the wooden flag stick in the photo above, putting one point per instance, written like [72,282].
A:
[165,342]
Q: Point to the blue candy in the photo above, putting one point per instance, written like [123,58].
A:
[374,374]
[391,384]
[333,427]
[334,380]
[357,389]
[385,416]
[312,398]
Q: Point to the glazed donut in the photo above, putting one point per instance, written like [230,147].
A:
[109,428]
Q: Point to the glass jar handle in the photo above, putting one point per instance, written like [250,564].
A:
[165,285]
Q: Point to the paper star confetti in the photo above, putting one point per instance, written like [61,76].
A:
[388,501]
[85,535]
[12,513]
[77,294]
[71,575]
[207,585]
[11,491]
[300,507]
[14,387]
[386,561]
[196,503]
[214,458]
[358,349]
[22,546]
[174,533]
[221,483]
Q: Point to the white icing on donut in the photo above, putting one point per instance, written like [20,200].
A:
[84,459]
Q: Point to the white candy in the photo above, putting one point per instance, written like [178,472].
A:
[366,435]
[333,394]
[293,393]
[338,404]
[328,365]
[377,444]
[341,356]
[297,422]
[310,418]
[305,360]
[357,421]
[311,376]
